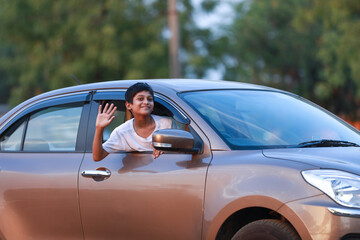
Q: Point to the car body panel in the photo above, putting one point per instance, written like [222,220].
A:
[318,220]
[345,158]
[39,196]
[251,180]
[144,198]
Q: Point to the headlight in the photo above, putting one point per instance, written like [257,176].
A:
[341,186]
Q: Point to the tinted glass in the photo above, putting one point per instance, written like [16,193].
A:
[11,139]
[53,129]
[248,119]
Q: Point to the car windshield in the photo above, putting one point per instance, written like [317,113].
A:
[253,119]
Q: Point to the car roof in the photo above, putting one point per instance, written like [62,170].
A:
[177,85]
[170,85]
[183,85]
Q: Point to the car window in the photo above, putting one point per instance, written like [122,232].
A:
[53,129]
[119,114]
[12,138]
[248,119]
[122,115]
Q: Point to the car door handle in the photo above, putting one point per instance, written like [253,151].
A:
[96,173]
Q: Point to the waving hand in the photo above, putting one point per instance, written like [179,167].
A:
[105,117]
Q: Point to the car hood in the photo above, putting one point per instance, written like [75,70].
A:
[342,158]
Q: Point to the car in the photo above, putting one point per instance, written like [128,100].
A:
[242,161]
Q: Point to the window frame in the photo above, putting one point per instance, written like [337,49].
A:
[26,112]
[119,95]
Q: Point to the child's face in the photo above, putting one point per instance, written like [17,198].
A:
[143,103]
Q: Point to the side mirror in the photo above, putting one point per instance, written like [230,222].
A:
[174,140]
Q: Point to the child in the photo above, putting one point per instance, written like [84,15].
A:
[136,133]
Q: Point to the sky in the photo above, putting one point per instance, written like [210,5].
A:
[222,14]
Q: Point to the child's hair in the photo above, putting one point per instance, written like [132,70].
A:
[134,89]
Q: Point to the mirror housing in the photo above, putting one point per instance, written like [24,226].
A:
[174,140]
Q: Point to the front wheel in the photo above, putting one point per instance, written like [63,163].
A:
[266,229]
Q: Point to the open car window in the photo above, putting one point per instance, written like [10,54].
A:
[122,115]
[119,114]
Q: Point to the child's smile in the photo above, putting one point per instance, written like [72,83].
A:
[143,103]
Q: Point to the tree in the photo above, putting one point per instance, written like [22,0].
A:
[308,47]
[339,53]
[265,45]
[93,40]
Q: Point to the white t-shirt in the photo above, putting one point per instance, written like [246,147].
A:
[124,137]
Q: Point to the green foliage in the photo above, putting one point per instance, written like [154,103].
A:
[45,42]
[310,47]
[340,55]
[306,46]
[268,46]
[209,5]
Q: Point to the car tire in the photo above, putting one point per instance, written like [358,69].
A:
[266,229]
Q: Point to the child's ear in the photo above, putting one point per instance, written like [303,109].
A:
[128,105]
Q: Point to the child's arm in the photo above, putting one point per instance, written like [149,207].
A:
[104,118]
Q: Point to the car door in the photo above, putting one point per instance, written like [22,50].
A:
[40,153]
[133,196]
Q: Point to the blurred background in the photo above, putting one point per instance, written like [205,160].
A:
[308,47]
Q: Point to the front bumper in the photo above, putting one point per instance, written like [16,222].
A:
[320,218]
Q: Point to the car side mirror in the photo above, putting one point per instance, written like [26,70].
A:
[174,140]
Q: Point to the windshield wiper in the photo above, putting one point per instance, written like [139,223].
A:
[327,143]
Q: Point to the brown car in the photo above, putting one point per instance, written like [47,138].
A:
[241,162]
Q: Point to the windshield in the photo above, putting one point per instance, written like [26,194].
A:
[252,119]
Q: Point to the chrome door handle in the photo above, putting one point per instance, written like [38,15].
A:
[96,173]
